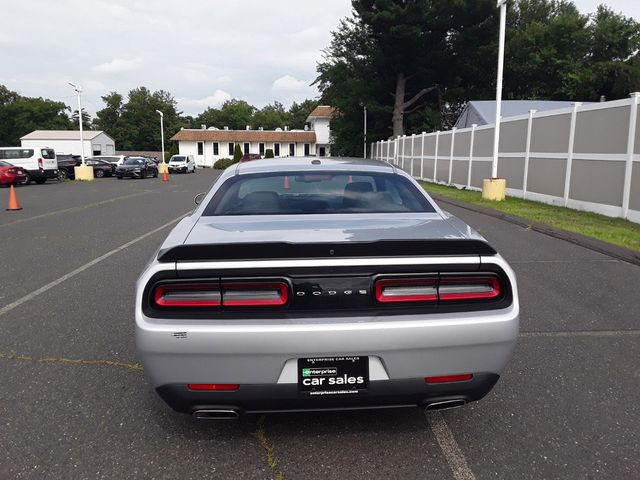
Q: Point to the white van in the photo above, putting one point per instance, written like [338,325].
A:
[39,163]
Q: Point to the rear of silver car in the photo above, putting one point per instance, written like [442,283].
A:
[356,314]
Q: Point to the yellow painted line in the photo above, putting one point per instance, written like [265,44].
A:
[261,435]
[452,453]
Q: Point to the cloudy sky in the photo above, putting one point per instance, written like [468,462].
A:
[201,51]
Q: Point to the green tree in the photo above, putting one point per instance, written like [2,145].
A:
[20,115]
[298,112]
[237,153]
[270,117]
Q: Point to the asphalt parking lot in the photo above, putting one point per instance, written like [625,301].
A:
[74,402]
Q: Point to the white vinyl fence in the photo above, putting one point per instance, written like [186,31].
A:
[585,157]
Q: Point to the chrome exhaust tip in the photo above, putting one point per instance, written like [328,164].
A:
[446,404]
[216,414]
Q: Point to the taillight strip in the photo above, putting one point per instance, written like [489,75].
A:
[468,288]
[406,290]
[254,294]
[184,295]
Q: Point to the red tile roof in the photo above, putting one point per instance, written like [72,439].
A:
[323,111]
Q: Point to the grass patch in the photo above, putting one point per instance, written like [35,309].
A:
[612,230]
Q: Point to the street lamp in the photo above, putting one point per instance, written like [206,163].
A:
[494,188]
[365,130]
[78,90]
[161,133]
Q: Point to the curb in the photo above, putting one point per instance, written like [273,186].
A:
[606,248]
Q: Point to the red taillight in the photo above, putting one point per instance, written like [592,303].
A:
[254,294]
[184,295]
[230,294]
[406,290]
[211,387]
[449,378]
[40,164]
[468,288]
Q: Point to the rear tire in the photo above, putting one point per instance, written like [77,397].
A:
[28,179]
[143,175]
[155,174]
[99,173]
[40,181]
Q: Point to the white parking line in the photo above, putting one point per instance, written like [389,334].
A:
[73,273]
[455,458]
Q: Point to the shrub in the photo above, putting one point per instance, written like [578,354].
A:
[237,153]
[268,153]
[224,163]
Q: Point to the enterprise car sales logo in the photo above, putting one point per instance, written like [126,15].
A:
[319,372]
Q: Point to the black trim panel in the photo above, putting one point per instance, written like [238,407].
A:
[285,397]
[286,250]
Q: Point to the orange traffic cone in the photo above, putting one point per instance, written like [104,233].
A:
[13,200]
[165,176]
[286,183]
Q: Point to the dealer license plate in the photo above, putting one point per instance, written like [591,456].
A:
[340,375]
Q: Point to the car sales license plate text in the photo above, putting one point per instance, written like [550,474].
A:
[340,375]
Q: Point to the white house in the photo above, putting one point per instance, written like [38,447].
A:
[208,145]
[320,120]
[96,142]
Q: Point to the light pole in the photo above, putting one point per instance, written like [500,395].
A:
[494,188]
[162,133]
[365,130]
[78,90]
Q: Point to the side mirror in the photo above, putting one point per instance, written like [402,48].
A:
[198,198]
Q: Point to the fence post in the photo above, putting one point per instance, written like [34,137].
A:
[422,157]
[388,148]
[631,145]
[396,153]
[402,164]
[453,142]
[572,135]
[435,158]
[413,146]
[473,133]
[527,153]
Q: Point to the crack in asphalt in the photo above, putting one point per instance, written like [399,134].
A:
[261,435]
[71,361]
[580,333]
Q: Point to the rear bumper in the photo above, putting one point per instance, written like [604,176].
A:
[285,398]
[38,174]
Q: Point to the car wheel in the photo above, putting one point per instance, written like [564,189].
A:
[40,181]
[118,177]
[62,174]
[143,174]
[99,173]
[27,180]
[155,174]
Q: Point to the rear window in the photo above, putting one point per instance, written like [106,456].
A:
[319,192]
[16,153]
[48,153]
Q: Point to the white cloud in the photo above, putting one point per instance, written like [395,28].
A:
[197,105]
[117,65]
[287,83]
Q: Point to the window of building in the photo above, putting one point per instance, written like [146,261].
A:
[231,147]
[246,148]
[292,149]
[216,149]
[200,148]
[306,149]
[96,149]
[261,149]
[276,149]
[323,151]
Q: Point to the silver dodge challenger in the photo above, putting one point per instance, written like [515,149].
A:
[306,284]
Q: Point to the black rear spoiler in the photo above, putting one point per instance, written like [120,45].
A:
[281,250]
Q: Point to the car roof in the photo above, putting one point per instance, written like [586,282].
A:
[313,164]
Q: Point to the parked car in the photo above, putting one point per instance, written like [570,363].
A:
[113,159]
[137,167]
[390,302]
[11,175]
[66,164]
[182,163]
[100,167]
[247,157]
[39,163]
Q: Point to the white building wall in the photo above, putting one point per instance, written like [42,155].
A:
[72,147]
[321,127]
